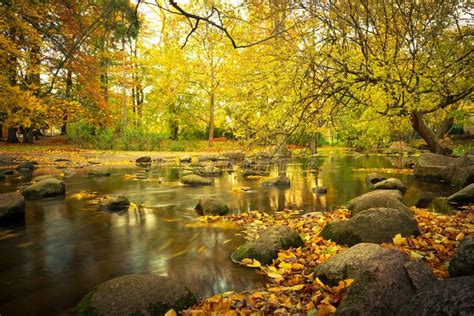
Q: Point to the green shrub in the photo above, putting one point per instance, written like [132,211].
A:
[177,146]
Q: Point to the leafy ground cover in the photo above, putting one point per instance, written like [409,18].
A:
[291,286]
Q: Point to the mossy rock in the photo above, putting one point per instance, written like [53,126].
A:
[266,247]
[195,180]
[12,207]
[136,294]
[376,225]
[45,188]
[211,206]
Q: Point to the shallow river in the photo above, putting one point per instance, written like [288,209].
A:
[65,246]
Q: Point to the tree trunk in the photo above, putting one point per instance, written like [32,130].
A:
[28,135]
[444,127]
[1,130]
[429,137]
[211,119]
[12,137]
[313,146]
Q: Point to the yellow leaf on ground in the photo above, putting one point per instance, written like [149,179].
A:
[171,312]
[398,240]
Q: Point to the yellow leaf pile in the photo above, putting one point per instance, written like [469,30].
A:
[291,286]
[440,235]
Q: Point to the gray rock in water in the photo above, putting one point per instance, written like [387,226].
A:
[376,199]
[236,156]
[462,262]
[209,171]
[375,225]
[136,294]
[185,159]
[45,188]
[195,180]
[266,247]
[449,297]
[384,279]
[252,172]
[373,178]
[211,206]
[281,181]
[26,166]
[390,184]
[114,203]
[143,160]
[463,196]
[43,177]
[460,171]
[98,173]
[12,207]
[431,165]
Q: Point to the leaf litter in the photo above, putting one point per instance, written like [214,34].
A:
[291,286]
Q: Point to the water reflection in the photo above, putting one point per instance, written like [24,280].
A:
[65,247]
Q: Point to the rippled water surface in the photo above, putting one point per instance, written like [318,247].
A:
[65,246]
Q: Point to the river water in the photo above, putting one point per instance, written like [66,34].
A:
[66,246]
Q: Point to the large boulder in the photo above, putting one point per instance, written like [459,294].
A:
[373,178]
[211,206]
[390,184]
[377,199]
[400,147]
[431,165]
[12,207]
[114,203]
[281,181]
[266,247]
[195,180]
[45,188]
[136,294]
[449,297]
[463,196]
[462,262]
[384,279]
[460,171]
[375,225]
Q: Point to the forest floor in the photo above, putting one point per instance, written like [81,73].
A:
[292,286]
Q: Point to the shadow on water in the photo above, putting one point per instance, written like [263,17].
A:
[66,247]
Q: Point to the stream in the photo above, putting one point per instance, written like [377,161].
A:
[65,247]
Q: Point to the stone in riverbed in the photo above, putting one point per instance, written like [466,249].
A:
[45,188]
[7,172]
[384,279]
[12,207]
[211,206]
[462,262]
[463,196]
[375,225]
[114,203]
[136,294]
[26,166]
[320,189]
[43,177]
[431,165]
[373,178]
[266,247]
[377,199]
[390,184]
[209,171]
[281,181]
[460,171]
[98,173]
[195,180]
[143,160]
[453,296]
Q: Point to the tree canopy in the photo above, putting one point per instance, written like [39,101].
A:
[263,72]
